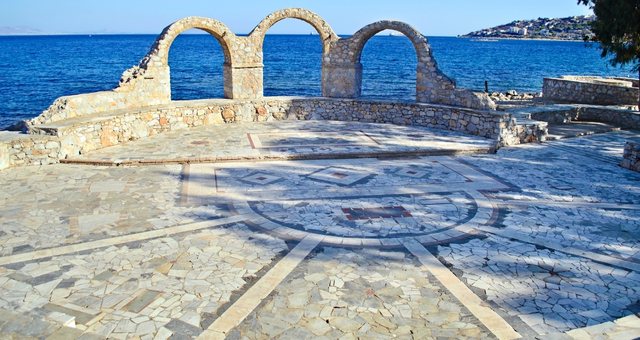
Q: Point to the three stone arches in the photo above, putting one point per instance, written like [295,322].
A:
[341,68]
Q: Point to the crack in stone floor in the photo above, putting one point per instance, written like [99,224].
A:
[542,239]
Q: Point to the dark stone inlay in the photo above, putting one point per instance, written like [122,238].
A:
[141,301]
[105,275]
[374,213]
[22,249]
[262,179]
[66,283]
[182,330]
[38,280]
[81,317]
[472,206]
[339,175]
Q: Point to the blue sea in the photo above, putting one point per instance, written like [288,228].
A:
[35,70]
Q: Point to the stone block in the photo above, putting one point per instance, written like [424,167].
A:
[631,156]
[5,158]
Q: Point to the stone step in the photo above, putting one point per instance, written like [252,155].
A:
[578,129]
[281,157]
[59,128]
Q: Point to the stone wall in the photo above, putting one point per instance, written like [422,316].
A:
[141,105]
[631,157]
[5,157]
[557,115]
[591,90]
[135,124]
[620,117]
[343,70]
[21,150]
[135,90]
[148,83]
[73,137]
[623,118]
[479,123]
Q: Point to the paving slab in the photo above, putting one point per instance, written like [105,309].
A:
[544,235]
[287,140]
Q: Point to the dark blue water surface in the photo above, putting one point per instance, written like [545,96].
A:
[34,71]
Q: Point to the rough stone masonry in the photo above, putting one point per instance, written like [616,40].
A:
[141,105]
[149,82]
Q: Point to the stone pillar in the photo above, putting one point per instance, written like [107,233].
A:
[243,82]
[342,80]
[424,84]
[631,157]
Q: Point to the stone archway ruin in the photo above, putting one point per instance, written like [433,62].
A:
[343,76]
[327,35]
[160,50]
[429,80]
[154,67]
[149,82]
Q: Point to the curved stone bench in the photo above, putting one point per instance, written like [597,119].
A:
[94,131]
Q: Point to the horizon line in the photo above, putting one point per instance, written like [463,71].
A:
[203,33]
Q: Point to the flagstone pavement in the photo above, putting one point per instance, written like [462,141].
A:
[539,240]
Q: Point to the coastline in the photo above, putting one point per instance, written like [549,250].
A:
[525,39]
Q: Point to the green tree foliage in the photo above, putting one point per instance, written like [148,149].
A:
[617,28]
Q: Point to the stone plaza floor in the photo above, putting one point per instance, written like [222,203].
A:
[538,240]
[287,140]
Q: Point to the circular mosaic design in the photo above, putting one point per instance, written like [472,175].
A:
[389,216]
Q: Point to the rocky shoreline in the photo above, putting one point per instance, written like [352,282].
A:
[513,95]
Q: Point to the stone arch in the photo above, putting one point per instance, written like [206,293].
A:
[154,70]
[159,54]
[360,38]
[428,76]
[327,35]
[344,76]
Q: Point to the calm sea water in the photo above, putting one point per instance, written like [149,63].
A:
[34,71]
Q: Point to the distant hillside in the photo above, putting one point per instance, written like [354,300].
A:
[571,28]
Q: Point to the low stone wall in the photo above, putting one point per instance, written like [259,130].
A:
[568,114]
[134,91]
[103,129]
[18,149]
[587,90]
[558,114]
[631,157]
[479,123]
[5,157]
[98,131]
[626,119]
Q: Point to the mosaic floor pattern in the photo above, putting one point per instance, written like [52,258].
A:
[534,241]
[288,140]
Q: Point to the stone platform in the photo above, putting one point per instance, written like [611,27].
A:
[287,140]
[539,240]
[578,128]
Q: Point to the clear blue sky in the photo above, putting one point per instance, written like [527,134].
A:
[431,17]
